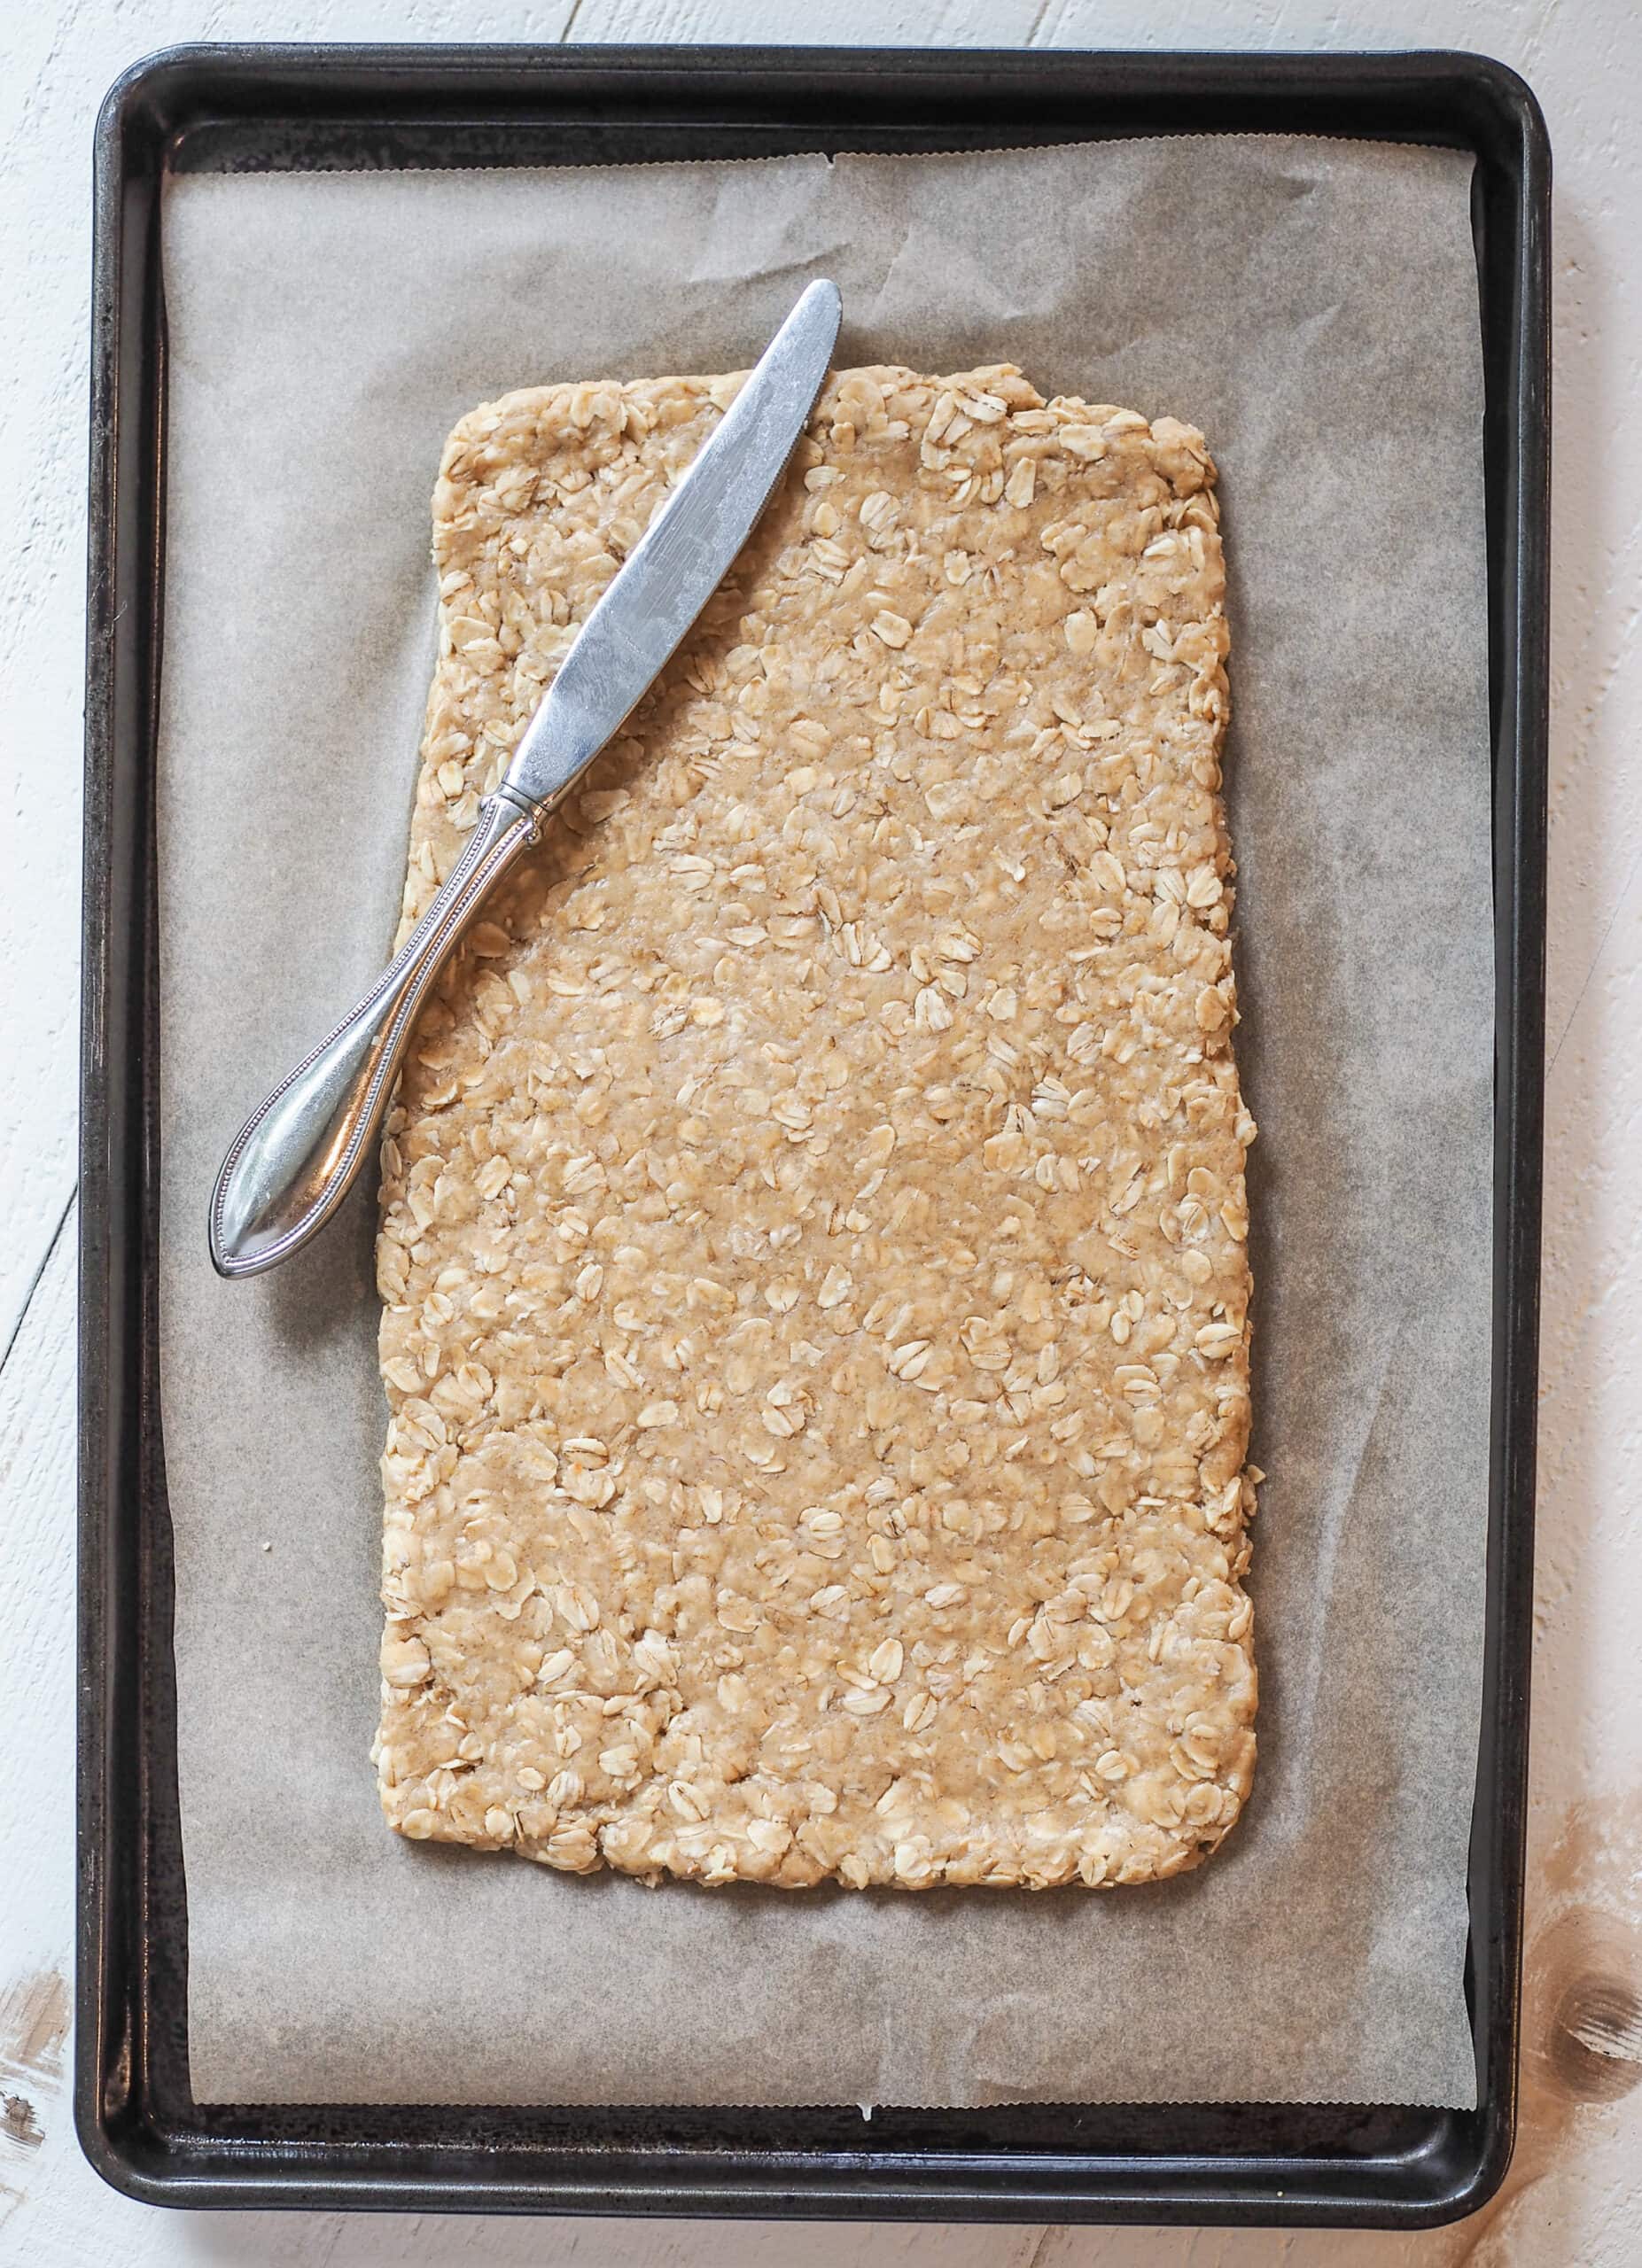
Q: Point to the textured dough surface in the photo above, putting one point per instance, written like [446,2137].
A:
[813,1250]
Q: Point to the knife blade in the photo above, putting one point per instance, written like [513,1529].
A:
[681,559]
[296,1156]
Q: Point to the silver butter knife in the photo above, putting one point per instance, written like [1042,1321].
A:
[295,1158]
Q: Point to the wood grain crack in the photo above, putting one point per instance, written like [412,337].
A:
[36,1280]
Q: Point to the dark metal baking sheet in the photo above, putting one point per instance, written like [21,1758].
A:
[260,107]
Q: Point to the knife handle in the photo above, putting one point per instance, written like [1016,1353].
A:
[296,1157]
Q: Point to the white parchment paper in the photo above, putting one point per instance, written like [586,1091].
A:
[1313,306]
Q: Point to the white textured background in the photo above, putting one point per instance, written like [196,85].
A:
[1574,2199]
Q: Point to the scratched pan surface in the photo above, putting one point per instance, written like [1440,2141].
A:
[260,107]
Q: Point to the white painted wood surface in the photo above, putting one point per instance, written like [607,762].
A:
[1575,2193]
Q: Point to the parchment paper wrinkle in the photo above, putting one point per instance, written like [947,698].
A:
[1311,304]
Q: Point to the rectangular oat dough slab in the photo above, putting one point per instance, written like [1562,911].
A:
[812,1255]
